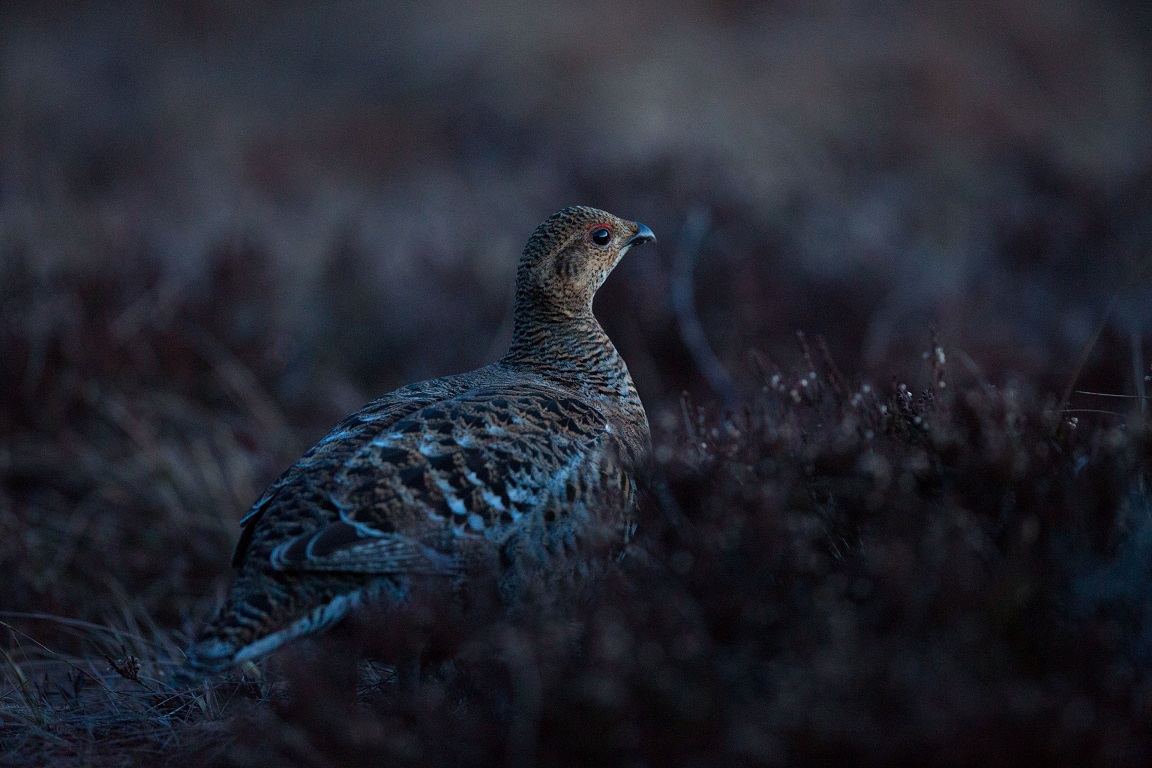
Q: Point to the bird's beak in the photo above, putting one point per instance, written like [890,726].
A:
[644,235]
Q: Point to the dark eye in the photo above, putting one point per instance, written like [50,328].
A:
[601,236]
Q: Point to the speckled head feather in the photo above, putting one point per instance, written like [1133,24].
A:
[520,470]
[569,256]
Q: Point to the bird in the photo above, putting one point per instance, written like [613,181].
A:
[512,475]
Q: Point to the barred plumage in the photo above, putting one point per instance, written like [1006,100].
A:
[508,470]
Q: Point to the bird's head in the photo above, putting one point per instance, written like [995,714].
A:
[569,256]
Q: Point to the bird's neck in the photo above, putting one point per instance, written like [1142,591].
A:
[571,348]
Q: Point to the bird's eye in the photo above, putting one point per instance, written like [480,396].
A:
[601,236]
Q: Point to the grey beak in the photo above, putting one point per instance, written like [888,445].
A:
[643,236]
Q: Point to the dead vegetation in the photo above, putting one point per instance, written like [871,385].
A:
[832,569]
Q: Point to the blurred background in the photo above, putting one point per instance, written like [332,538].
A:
[224,225]
[866,169]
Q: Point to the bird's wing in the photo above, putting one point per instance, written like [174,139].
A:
[477,466]
[341,546]
[304,485]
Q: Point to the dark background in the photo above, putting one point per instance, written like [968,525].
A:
[223,226]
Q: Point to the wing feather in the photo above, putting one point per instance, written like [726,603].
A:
[304,484]
[417,484]
[440,479]
[344,547]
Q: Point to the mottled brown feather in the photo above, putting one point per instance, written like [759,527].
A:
[506,470]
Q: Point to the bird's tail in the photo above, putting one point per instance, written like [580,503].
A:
[202,661]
